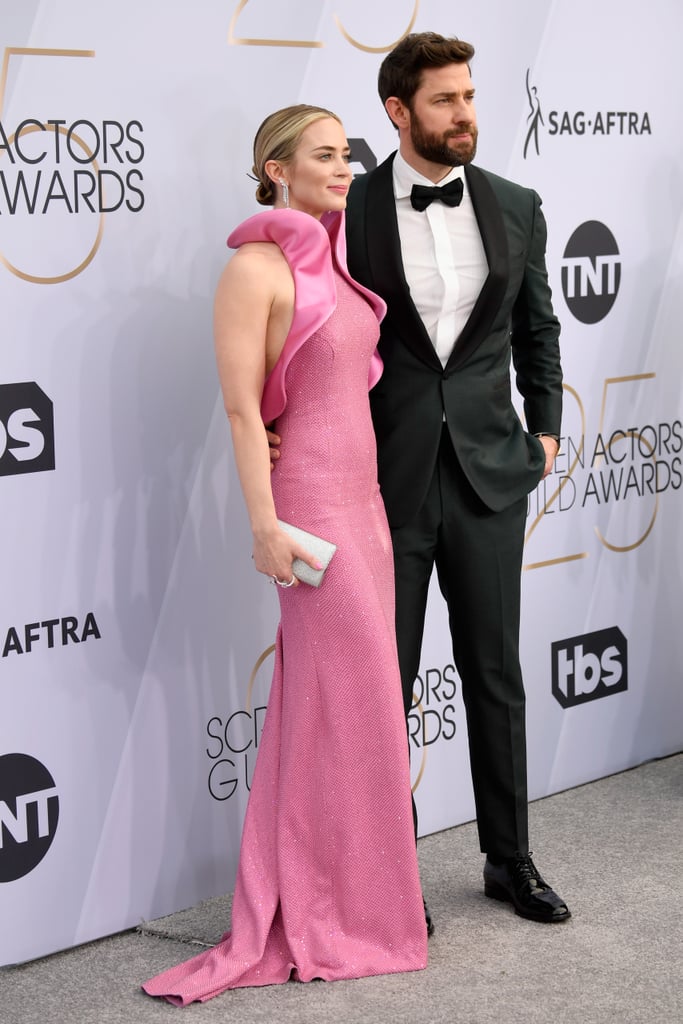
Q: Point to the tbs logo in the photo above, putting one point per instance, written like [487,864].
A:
[589,667]
[27,436]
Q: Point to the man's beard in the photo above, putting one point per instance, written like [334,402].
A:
[436,149]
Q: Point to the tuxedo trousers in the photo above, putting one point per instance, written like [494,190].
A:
[478,559]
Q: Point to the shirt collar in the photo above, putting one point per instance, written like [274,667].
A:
[406,176]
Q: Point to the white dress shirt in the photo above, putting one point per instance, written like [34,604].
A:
[443,256]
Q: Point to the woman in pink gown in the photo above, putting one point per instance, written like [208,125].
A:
[327,885]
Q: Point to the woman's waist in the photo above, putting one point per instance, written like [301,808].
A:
[326,488]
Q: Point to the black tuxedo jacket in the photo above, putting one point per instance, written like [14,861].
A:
[513,317]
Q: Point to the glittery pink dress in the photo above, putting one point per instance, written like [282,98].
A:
[327,885]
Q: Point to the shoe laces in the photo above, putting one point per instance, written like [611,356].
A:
[526,871]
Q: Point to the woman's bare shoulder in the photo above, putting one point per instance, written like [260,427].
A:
[256,253]
[255,267]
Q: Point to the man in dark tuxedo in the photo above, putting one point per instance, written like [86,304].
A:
[462,270]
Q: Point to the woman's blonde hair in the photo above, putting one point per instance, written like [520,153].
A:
[277,139]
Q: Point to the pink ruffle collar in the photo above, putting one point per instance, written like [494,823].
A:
[309,246]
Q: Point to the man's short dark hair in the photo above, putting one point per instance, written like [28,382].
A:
[401,70]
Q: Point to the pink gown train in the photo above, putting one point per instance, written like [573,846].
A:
[327,885]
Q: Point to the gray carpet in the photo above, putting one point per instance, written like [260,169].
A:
[612,849]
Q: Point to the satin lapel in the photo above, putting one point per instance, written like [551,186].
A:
[384,255]
[494,238]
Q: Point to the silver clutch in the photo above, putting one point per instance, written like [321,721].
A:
[322,550]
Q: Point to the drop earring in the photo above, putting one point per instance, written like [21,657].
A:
[285,191]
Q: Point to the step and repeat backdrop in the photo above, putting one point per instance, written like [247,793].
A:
[136,639]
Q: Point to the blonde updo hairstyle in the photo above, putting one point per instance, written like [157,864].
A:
[277,139]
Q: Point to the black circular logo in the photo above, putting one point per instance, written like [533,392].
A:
[591,272]
[29,811]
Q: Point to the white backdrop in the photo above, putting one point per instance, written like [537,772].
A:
[135,635]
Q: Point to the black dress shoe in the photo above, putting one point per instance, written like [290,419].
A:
[428,919]
[518,881]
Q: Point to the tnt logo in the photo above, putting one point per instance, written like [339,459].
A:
[589,667]
[27,435]
[29,811]
[591,272]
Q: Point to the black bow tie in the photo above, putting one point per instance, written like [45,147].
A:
[422,195]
